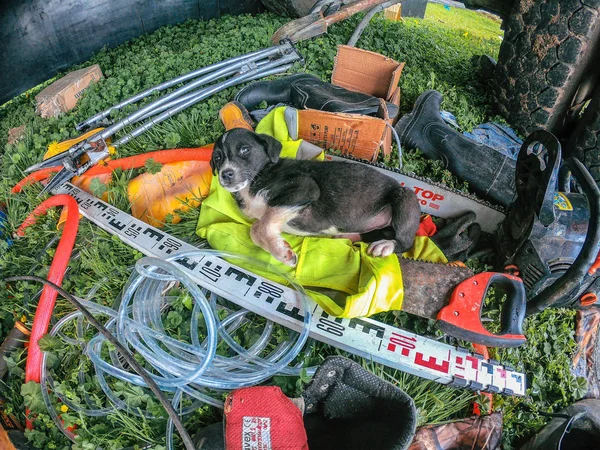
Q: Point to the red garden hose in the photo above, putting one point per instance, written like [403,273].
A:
[131,162]
[59,264]
[45,307]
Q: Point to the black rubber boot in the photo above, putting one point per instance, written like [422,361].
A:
[578,428]
[489,173]
[307,91]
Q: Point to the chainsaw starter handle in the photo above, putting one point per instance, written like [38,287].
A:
[531,174]
[572,279]
[461,318]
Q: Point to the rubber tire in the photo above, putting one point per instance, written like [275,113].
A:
[546,51]
[585,140]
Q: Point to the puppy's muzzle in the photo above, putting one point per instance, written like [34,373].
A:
[231,180]
[227,176]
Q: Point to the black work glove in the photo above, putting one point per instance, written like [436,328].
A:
[347,407]
[458,237]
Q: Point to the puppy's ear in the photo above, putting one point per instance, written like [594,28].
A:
[217,145]
[272,146]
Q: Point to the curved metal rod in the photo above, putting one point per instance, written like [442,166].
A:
[365,21]
[277,66]
[167,84]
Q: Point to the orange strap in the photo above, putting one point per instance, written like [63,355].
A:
[131,162]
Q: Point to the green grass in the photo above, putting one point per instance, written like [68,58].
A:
[476,25]
[437,54]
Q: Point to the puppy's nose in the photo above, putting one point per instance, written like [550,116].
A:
[227,175]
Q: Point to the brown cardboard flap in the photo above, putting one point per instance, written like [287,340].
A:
[394,83]
[354,134]
[395,98]
[365,71]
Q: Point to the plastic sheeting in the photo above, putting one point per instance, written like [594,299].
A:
[40,38]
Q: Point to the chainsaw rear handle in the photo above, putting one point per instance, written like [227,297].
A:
[461,318]
[573,278]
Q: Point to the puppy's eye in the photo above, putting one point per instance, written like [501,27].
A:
[244,150]
[217,158]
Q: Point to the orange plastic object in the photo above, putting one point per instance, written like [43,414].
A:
[178,186]
[512,269]
[587,299]
[594,267]
[462,316]
[235,115]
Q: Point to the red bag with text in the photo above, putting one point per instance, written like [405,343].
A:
[263,418]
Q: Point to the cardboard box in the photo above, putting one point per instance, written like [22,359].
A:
[354,134]
[62,95]
[373,74]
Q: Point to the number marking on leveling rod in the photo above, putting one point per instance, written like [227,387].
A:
[370,339]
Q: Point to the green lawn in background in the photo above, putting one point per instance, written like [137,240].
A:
[477,25]
[437,52]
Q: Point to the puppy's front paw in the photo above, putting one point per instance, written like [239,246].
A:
[282,252]
[286,255]
[381,248]
[291,259]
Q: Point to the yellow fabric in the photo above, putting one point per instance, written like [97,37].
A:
[274,124]
[364,285]
[424,249]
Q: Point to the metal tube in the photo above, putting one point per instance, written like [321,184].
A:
[277,66]
[108,132]
[184,98]
[167,84]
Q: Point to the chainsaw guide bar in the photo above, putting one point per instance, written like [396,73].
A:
[439,200]
[370,339]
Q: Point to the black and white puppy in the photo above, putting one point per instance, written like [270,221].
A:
[311,198]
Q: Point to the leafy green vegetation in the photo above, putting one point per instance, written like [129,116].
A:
[437,52]
[472,24]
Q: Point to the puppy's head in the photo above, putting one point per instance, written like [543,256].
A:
[239,154]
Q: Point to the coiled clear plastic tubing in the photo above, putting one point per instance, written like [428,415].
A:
[193,368]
